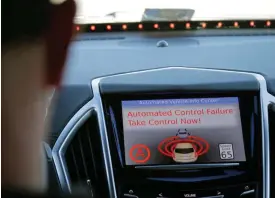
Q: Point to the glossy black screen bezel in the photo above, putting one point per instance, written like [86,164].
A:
[249,109]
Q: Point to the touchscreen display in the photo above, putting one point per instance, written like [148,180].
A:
[179,131]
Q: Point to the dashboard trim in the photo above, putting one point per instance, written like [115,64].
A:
[62,143]
[187,166]
[96,104]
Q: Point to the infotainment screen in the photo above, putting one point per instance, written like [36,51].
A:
[180,131]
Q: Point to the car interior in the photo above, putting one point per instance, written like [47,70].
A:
[166,109]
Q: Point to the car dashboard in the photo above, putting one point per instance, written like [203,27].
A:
[166,114]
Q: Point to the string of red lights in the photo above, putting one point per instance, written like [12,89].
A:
[177,25]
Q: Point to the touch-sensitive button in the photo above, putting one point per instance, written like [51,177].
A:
[204,194]
[248,194]
[160,195]
[130,196]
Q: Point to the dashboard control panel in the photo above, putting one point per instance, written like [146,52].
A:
[190,138]
[239,191]
[175,135]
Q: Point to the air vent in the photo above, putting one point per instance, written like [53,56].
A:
[80,157]
[271,121]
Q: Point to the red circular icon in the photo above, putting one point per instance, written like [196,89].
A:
[140,153]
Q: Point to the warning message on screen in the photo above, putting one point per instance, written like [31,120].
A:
[214,112]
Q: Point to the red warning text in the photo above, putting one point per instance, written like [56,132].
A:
[165,117]
[180,112]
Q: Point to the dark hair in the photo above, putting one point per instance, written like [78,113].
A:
[24,20]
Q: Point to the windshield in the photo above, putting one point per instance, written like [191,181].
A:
[184,151]
[151,10]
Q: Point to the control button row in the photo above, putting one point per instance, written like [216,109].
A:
[244,194]
[134,196]
[246,191]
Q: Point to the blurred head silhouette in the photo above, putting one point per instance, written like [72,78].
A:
[35,39]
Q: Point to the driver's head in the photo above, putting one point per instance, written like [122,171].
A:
[35,39]
[41,29]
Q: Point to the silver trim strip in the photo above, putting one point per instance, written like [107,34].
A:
[187,166]
[104,139]
[62,143]
[48,150]
[68,133]
[96,103]
[247,192]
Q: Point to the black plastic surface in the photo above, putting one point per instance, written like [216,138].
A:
[270,84]
[66,101]
[178,79]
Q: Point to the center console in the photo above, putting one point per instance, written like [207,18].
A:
[188,137]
